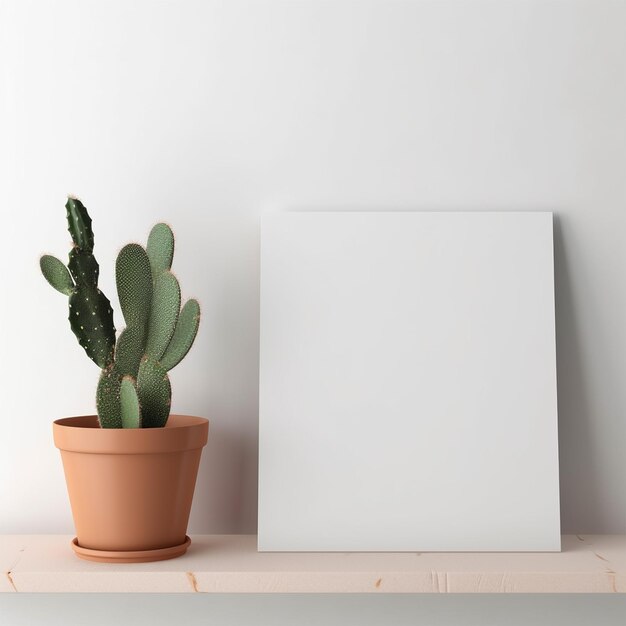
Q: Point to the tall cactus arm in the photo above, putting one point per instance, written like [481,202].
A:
[129,404]
[160,248]
[56,274]
[184,335]
[79,224]
[91,315]
[90,312]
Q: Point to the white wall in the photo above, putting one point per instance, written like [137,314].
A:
[208,114]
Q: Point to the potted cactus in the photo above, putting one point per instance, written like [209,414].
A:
[131,469]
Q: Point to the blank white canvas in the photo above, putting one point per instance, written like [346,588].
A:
[408,382]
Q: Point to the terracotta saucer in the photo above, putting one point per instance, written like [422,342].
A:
[123,556]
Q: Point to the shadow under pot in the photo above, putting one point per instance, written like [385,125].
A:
[130,489]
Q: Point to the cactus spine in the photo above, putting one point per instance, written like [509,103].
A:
[134,389]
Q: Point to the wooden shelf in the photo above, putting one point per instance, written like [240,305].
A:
[231,564]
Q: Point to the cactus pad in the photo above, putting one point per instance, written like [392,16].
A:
[129,349]
[91,319]
[129,404]
[56,274]
[79,224]
[163,314]
[154,391]
[134,284]
[108,399]
[160,248]
[184,335]
[83,267]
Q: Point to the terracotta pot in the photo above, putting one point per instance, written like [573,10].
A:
[130,489]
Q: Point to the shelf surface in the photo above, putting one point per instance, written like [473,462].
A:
[231,564]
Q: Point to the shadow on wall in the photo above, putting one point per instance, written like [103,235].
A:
[218,504]
[226,361]
[580,486]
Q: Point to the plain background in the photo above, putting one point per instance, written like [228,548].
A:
[210,114]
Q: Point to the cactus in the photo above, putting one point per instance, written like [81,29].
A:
[108,398]
[134,289]
[154,391]
[134,390]
[90,313]
[57,274]
[160,248]
[129,403]
[184,335]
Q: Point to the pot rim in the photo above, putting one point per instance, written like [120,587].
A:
[82,434]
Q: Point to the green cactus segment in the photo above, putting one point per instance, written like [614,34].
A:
[108,399]
[160,248]
[129,404]
[91,320]
[163,314]
[79,224]
[134,389]
[155,393]
[84,267]
[184,335]
[129,349]
[134,288]
[134,284]
[90,313]
[55,272]
[82,263]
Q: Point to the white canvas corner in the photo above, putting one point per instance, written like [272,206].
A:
[408,382]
